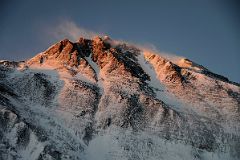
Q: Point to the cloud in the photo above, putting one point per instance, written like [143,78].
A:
[70,30]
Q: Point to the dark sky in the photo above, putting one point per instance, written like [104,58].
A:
[205,31]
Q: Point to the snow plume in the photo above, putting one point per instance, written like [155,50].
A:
[153,50]
[69,29]
[150,48]
[147,48]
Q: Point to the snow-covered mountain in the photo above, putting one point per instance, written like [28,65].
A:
[105,100]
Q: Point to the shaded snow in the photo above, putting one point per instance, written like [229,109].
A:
[116,144]
[33,150]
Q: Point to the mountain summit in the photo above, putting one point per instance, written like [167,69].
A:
[103,99]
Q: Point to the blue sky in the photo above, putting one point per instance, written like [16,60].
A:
[205,31]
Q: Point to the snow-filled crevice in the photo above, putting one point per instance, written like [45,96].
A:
[93,65]
[160,90]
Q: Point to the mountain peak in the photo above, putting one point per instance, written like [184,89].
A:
[75,97]
[186,63]
[104,50]
[90,52]
[97,39]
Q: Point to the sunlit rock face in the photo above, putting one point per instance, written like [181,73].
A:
[103,99]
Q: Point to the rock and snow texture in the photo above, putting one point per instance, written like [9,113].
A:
[97,99]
